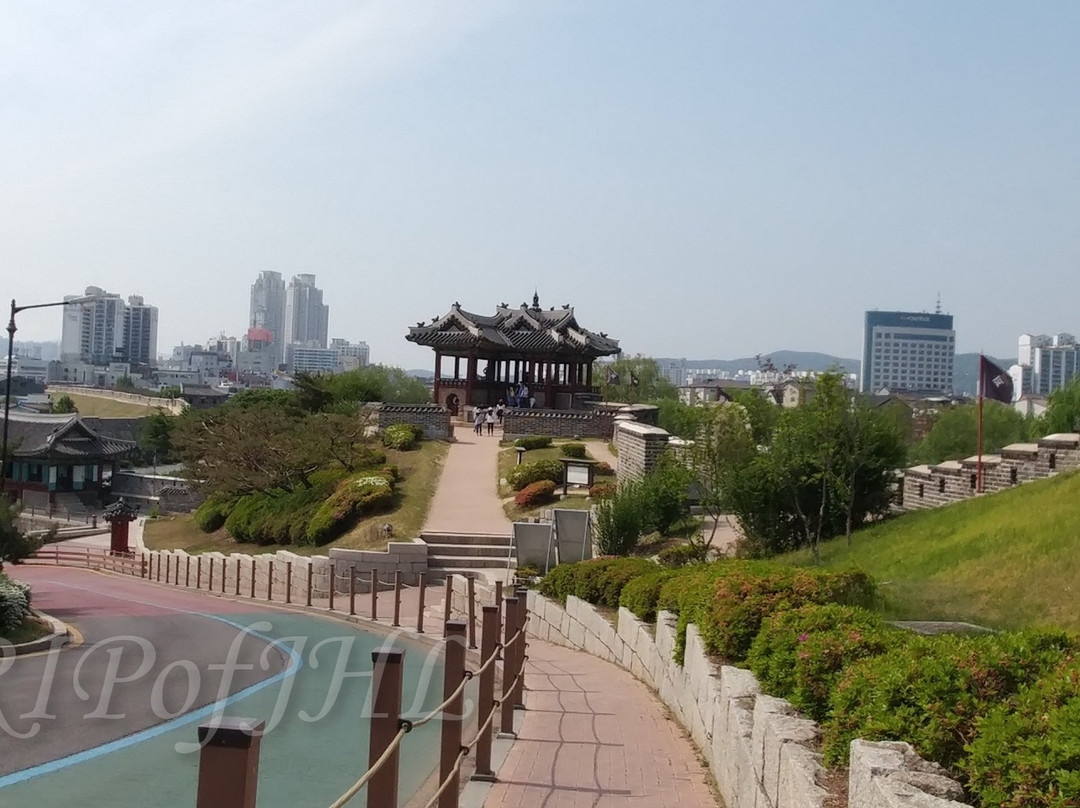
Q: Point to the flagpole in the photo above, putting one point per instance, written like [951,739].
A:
[979,472]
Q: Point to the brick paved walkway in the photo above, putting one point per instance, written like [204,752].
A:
[595,737]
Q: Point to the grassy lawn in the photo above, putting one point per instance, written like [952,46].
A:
[419,470]
[30,629]
[107,407]
[1007,560]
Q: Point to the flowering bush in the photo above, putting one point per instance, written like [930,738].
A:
[602,490]
[402,436]
[799,655]
[354,497]
[527,473]
[603,469]
[14,602]
[642,594]
[538,493]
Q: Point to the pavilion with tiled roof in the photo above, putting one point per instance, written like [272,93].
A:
[54,453]
[544,349]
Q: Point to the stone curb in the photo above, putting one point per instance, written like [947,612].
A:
[59,629]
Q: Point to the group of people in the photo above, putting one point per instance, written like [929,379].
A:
[519,396]
[488,416]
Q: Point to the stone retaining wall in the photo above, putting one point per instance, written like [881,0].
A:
[557,423]
[761,752]
[956,480]
[174,406]
[434,419]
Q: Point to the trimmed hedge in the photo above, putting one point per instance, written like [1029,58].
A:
[213,512]
[799,655]
[603,469]
[538,493]
[599,581]
[533,442]
[682,554]
[402,436]
[602,490]
[1026,753]
[933,691]
[643,593]
[355,497]
[14,603]
[527,473]
[576,450]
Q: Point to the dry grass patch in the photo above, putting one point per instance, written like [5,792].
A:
[107,407]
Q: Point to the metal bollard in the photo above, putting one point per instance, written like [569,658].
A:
[387,670]
[470,590]
[397,598]
[229,763]
[421,579]
[506,723]
[489,639]
[374,594]
[452,717]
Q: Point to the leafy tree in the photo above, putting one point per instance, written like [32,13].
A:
[679,418]
[721,451]
[761,413]
[663,494]
[155,437]
[1063,411]
[15,545]
[650,387]
[64,404]
[954,434]
[377,383]
[169,391]
[344,438]
[125,383]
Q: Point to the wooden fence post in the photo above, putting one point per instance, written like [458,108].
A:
[229,763]
[448,603]
[310,573]
[333,584]
[421,580]
[374,594]
[253,578]
[452,717]
[397,599]
[288,582]
[352,590]
[506,723]
[270,582]
[470,590]
[489,639]
[387,670]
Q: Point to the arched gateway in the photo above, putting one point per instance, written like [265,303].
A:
[545,350]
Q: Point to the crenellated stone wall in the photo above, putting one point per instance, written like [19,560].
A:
[557,423]
[760,750]
[956,480]
[434,419]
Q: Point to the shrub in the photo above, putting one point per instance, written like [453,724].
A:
[617,522]
[354,497]
[662,493]
[527,473]
[538,493]
[402,436]
[1026,753]
[533,442]
[574,450]
[599,581]
[729,599]
[642,594]
[603,469]
[682,554]
[602,490]
[14,603]
[799,655]
[932,691]
[211,515]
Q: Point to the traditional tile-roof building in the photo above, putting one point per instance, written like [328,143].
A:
[58,453]
[547,351]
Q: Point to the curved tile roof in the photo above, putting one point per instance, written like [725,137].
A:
[524,331]
[61,436]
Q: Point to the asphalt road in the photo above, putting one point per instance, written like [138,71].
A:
[309,682]
[146,656]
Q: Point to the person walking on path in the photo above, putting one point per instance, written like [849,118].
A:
[490,418]
[478,421]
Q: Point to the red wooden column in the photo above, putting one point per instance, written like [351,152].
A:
[438,374]
[588,375]
[549,392]
[470,376]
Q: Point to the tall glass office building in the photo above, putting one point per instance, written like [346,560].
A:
[908,352]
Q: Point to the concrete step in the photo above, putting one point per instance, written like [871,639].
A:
[455,562]
[466,550]
[466,538]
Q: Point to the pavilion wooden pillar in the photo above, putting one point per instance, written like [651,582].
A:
[438,374]
[457,368]
[549,392]
[470,376]
[588,375]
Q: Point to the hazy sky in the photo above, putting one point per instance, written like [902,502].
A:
[698,179]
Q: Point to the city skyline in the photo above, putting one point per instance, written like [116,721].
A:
[753,178]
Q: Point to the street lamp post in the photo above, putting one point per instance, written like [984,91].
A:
[7,387]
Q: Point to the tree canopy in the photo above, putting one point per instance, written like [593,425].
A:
[954,434]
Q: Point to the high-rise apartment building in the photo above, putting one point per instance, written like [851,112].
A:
[140,332]
[1047,363]
[908,352]
[350,355]
[307,318]
[268,310]
[94,331]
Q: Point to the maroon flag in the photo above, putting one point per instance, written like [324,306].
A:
[994,382]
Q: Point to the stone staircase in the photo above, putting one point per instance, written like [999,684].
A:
[466,553]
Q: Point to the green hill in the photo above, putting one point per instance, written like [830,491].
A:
[1006,560]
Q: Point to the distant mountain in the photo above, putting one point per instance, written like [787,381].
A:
[421,374]
[802,360]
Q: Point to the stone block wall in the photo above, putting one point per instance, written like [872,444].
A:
[759,749]
[956,480]
[410,557]
[557,423]
[639,447]
[434,419]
